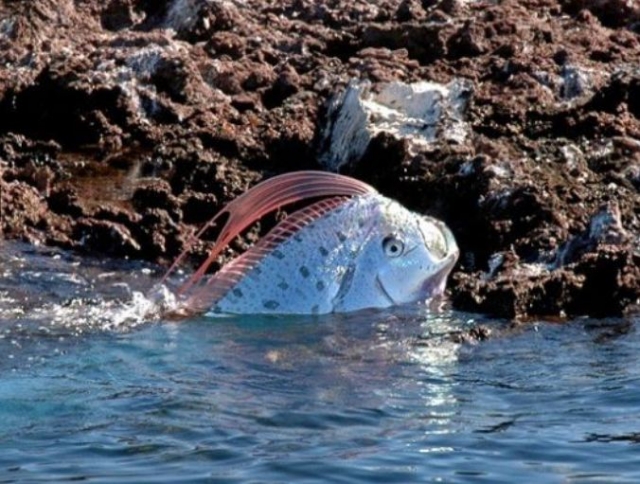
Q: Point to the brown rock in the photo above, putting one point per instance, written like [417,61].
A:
[126,124]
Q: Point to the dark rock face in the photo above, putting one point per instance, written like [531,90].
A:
[126,123]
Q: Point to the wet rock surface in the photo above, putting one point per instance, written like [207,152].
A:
[124,124]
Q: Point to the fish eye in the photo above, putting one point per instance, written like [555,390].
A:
[392,246]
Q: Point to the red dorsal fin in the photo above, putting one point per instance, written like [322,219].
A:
[264,198]
[206,295]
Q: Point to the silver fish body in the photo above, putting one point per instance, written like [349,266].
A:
[367,252]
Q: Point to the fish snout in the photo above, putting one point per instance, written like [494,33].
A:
[448,248]
[453,252]
[436,282]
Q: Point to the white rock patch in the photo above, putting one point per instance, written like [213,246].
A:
[422,113]
[7,27]
[183,14]
[576,81]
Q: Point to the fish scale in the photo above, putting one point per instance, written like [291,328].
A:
[304,273]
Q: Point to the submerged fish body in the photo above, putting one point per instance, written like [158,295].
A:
[355,250]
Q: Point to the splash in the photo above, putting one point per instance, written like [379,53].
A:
[51,292]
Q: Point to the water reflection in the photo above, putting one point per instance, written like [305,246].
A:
[399,364]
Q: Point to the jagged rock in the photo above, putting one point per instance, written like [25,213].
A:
[125,124]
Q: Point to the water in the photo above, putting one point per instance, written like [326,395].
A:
[94,389]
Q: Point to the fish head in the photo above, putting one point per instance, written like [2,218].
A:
[417,254]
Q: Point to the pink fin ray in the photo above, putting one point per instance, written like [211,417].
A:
[230,275]
[265,198]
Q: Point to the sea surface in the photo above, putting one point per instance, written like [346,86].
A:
[96,386]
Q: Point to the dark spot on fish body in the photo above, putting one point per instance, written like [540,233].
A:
[298,238]
[237,292]
[304,271]
[271,304]
[277,254]
[323,251]
[320,286]
[362,222]
[283,285]
[315,309]
[341,236]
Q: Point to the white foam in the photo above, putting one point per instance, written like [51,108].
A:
[65,295]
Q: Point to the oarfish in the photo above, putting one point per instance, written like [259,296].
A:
[353,249]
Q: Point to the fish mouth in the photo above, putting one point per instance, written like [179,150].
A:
[436,283]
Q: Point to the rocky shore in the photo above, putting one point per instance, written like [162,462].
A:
[125,124]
